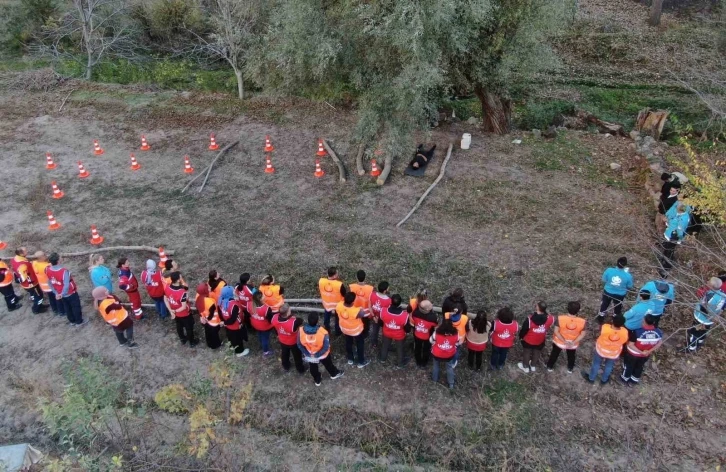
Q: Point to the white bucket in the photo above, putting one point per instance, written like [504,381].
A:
[465,141]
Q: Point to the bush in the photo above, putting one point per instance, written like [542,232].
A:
[20,20]
[541,115]
[173,399]
[169,20]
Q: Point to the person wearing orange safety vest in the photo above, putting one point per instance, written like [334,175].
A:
[608,348]
[6,287]
[208,316]
[459,321]
[39,265]
[314,343]
[350,320]
[363,293]
[113,313]
[332,291]
[25,276]
[177,302]
[215,284]
[287,327]
[395,326]
[272,293]
[569,331]
[444,342]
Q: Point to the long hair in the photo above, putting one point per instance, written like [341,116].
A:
[446,328]
[480,322]
[93,260]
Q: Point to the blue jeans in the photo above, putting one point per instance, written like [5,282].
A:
[161,307]
[449,370]
[264,337]
[72,307]
[499,356]
[597,359]
[326,321]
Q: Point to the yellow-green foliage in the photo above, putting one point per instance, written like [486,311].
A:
[201,423]
[707,176]
[173,399]
[239,404]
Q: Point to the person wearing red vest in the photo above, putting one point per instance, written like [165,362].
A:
[232,313]
[504,330]
[476,339]
[569,331]
[208,316]
[177,301]
[423,321]
[379,300]
[25,276]
[444,341]
[113,313]
[128,283]
[64,289]
[608,347]
[287,327]
[395,326]
[243,292]
[314,343]
[533,336]
[261,320]
[6,287]
[332,291]
[350,320]
[154,283]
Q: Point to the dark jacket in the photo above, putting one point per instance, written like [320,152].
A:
[451,303]
[537,318]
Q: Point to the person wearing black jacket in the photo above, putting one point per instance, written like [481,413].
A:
[455,301]
[533,335]
[423,321]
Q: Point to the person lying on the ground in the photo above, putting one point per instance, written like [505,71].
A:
[422,157]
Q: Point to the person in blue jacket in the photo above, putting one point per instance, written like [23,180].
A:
[617,282]
[678,216]
[711,306]
[662,294]
[99,273]
[634,316]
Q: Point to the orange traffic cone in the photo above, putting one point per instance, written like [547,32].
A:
[213,146]
[96,238]
[144,145]
[134,165]
[318,171]
[321,150]
[82,172]
[375,172]
[3,245]
[268,165]
[188,169]
[97,148]
[268,144]
[49,164]
[56,191]
[52,223]
[162,257]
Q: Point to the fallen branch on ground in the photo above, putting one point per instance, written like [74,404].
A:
[64,100]
[341,167]
[359,159]
[387,164]
[107,249]
[209,170]
[431,187]
[209,167]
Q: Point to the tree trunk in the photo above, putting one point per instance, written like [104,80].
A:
[240,84]
[497,111]
[89,64]
[656,8]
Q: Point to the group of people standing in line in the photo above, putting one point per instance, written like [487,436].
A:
[362,311]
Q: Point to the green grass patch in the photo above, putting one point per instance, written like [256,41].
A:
[559,153]
[500,391]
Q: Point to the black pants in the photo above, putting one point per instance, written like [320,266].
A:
[634,366]
[617,301]
[696,336]
[556,350]
[421,351]
[236,339]
[211,336]
[285,351]
[36,297]
[11,300]
[185,328]
[475,356]
[667,254]
[55,305]
[124,331]
[359,342]
[72,307]
[328,364]
[499,356]
[386,345]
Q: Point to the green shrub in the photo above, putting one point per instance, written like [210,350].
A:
[168,20]
[541,115]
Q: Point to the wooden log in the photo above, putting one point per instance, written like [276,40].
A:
[431,187]
[334,156]
[108,249]
[211,164]
[359,159]
[388,163]
[651,122]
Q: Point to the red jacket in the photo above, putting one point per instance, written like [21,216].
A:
[24,273]
[503,334]
[394,324]
[156,288]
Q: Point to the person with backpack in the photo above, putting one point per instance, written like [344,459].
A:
[502,335]
[444,341]
[476,339]
[569,331]
[533,336]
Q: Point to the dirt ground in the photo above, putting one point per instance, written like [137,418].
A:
[509,223]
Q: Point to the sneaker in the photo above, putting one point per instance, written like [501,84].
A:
[532,368]
[338,375]
[350,362]
[267,353]
[83,322]
[16,307]
[183,341]
[552,370]
[522,368]
[132,345]
[360,366]
[243,353]
[455,364]
[193,343]
[604,382]
[569,371]
[586,376]
[317,384]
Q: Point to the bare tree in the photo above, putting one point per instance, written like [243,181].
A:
[234,27]
[96,27]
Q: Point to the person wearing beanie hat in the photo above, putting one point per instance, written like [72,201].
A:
[154,283]
[113,313]
[662,294]
[617,282]
[423,321]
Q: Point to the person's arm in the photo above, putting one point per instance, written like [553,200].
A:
[557,335]
[168,307]
[343,291]
[407,324]
[234,316]
[604,276]
[524,329]
[581,336]
[282,290]
[361,314]
[212,310]
[66,283]
[326,346]
[631,347]
[432,338]
[297,324]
